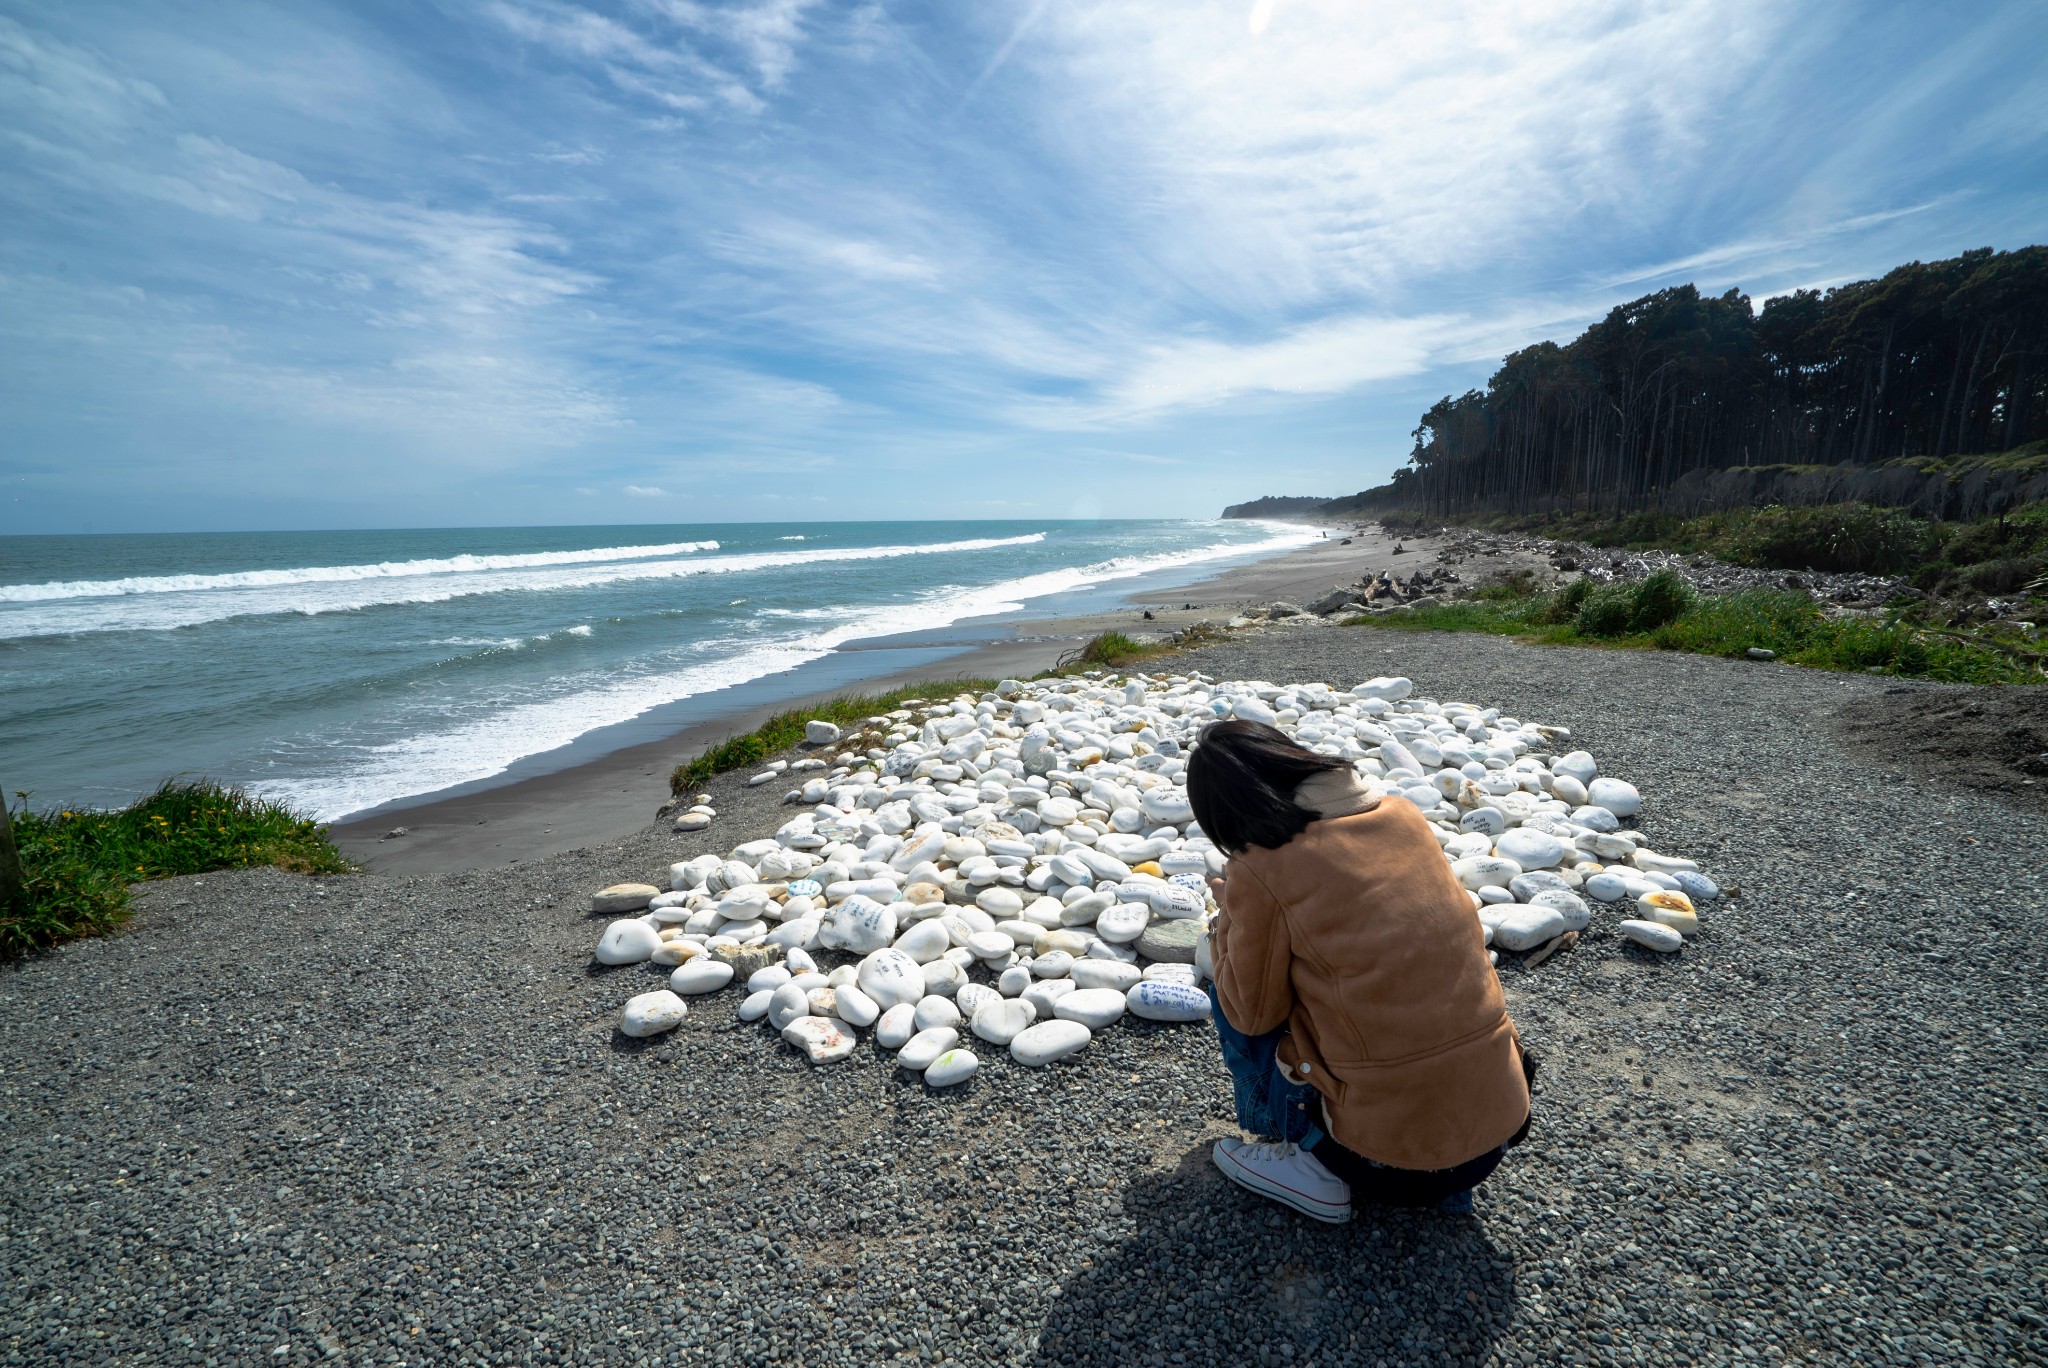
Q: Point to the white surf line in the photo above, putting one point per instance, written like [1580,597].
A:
[491,745]
[324,574]
[163,612]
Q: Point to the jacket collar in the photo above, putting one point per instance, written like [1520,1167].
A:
[1335,793]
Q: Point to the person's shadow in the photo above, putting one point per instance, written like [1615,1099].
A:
[1218,1275]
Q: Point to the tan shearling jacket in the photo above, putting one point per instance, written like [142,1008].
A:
[1356,937]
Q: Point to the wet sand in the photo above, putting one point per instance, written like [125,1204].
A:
[616,794]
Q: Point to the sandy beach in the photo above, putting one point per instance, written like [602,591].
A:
[617,793]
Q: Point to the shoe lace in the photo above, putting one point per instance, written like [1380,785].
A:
[1261,1151]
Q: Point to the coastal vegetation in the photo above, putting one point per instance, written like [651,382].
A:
[77,865]
[1662,612]
[2005,555]
[1648,406]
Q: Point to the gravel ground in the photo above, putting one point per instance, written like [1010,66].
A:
[388,1120]
[1991,740]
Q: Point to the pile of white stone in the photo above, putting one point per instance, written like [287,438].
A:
[1025,864]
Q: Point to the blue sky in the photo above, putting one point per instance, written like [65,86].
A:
[530,261]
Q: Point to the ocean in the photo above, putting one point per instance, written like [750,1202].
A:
[346,671]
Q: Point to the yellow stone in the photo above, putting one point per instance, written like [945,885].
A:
[1148,867]
[924,894]
[1669,908]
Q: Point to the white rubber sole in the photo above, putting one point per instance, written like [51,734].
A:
[1246,1177]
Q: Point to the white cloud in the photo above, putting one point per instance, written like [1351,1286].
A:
[647,491]
[1345,149]
[673,56]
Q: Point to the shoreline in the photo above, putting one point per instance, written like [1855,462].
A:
[510,820]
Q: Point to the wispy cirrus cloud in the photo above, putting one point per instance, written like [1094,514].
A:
[489,252]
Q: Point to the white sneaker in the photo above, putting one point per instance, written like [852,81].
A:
[1286,1173]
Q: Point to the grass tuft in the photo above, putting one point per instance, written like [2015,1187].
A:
[1111,651]
[77,865]
[1646,615]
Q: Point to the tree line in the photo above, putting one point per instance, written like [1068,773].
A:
[1935,359]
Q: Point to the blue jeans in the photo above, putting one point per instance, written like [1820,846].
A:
[1268,1105]
[1272,1108]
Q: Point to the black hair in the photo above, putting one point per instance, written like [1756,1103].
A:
[1241,781]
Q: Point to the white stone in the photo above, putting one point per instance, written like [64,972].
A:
[1530,849]
[1651,935]
[891,977]
[1650,862]
[972,997]
[1014,980]
[942,977]
[627,941]
[1697,886]
[771,978]
[1577,916]
[1606,887]
[1166,1000]
[1391,688]
[999,1022]
[821,1039]
[1484,871]
[756,1006]
[896,1026]
[860,925]
[701,975]
[623,897]
[1043,994]
[1057,964]
[820,733]
[1528,925]
[999,901]
[1046,1041]
[1577,765]
[1616,795]
[992,945]
[787,1003]
[951,1068]
[1058,812]
[1094,1008]
[1525,887]
[1168,807]
[927,1045]
[855,1007]
[924,942]
[1487,821]
[935,1011]
[1124,923]
[1099,973]
[649,1014]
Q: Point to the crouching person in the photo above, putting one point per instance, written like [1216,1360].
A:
[1360,1017]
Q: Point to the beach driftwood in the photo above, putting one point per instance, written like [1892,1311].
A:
[13,887]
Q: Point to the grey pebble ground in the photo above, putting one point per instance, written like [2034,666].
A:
[388,1120]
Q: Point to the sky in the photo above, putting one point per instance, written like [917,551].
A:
[502,262]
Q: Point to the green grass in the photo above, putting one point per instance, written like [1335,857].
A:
[1653,614]
[1112,651]
[786,729]
[77,865]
